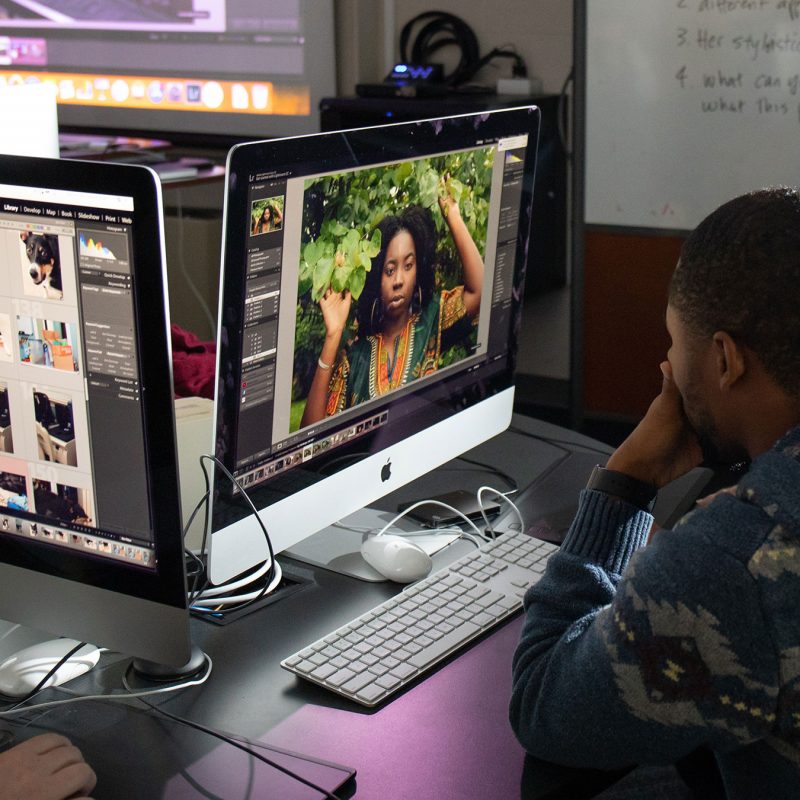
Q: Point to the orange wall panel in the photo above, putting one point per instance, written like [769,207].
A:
[626,278]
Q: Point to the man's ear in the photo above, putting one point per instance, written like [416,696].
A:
[730,357]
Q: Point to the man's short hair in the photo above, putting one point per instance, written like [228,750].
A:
[739,272]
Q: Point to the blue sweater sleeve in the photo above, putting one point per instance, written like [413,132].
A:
[613,670]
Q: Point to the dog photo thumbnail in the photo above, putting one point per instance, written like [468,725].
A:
[41,265]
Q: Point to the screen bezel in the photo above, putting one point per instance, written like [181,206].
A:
[165,584]
[340,151]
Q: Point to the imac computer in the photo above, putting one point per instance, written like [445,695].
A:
[370,300]
[190,70]
[90,523]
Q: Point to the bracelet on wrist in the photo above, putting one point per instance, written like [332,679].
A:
[618,484]
[322,365]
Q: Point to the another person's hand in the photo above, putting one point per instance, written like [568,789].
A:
[663,446]
[47,767]
[335,308]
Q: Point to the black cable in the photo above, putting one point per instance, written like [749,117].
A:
[519,70]
[441,30]
[508,478]
[271,571]
[563,106]
[39,686]
[229,740]
[197,590]
[557,442]
[199,566]
[199,576]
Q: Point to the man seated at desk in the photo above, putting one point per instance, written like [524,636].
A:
[689,647]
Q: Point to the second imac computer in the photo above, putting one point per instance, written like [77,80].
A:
[371,295]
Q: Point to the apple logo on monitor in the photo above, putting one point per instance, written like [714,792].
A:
[386,471]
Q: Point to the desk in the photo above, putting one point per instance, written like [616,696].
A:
[445,737]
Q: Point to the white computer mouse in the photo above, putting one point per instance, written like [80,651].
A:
[396,558]
[21,672]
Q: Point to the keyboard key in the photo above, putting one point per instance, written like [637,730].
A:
[440,648]
[357,683]
[320,673]
[388,681]
[403,671]
[340,677]
[369,694]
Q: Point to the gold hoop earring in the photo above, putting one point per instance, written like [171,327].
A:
[372,325]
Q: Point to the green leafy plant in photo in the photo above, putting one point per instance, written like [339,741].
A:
[339,236]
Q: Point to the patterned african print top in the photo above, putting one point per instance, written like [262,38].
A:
[639,655]
[368,368]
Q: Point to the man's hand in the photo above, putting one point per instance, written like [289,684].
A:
[47,767]
[663,446]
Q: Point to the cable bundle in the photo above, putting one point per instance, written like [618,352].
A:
[440,29]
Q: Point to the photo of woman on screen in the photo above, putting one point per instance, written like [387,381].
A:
[404,323]
[267,216]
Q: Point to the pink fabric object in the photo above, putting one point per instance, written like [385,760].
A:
[193,364]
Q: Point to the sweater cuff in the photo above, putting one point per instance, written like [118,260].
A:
[607,531]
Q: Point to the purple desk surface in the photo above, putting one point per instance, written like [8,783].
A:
[446,737]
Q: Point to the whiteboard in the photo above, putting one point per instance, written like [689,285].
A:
[688,104]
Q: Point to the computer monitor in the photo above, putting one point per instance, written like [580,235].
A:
[314,432]
[90,520]
[185,69]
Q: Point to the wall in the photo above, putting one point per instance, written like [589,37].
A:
[541,31]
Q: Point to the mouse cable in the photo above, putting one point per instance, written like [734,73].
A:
[119,697]
[228,739]
[18,701]
[438,503]
[450,530]
[503,496]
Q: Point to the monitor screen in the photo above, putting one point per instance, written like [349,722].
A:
[90,531]
[187,69]
[372,282]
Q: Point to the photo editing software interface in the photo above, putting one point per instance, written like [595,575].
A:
[213,56]
[310,236]
[70,401]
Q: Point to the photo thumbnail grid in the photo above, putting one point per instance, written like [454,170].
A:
[44,443]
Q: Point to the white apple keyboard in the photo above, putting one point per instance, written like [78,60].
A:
[378,653]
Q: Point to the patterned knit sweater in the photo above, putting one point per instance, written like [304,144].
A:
[639,655]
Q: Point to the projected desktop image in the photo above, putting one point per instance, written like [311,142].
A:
[371,336]
[236,69]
